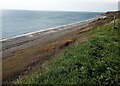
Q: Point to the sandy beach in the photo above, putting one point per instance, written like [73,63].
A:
[27,53]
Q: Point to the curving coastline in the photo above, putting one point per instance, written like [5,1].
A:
[54,28]
[25,38]
[23,54]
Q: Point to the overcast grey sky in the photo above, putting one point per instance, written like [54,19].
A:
[61,5]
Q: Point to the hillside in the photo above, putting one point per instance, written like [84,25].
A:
[94,61]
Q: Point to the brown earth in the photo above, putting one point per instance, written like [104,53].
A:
[23,61]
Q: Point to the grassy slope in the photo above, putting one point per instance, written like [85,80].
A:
[95,61]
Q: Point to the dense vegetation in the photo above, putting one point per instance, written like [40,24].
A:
[95,61]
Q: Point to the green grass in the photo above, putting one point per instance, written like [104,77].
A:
[95,61]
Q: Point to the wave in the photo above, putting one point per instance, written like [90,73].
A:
[57,28]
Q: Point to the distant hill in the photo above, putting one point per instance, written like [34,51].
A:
[112,13]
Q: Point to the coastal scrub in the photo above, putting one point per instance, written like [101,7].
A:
[95,61]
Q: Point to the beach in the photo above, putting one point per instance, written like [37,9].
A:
[23,54]
[27,40]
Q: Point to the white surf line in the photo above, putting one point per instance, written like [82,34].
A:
[55,28]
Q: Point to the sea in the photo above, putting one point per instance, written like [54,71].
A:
[19,22]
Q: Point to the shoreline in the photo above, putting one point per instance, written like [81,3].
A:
[17,43]
[13,43]
[23,55]
[66,26]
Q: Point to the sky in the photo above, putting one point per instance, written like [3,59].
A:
[61,5]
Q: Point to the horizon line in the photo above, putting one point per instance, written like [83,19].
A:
[57,10]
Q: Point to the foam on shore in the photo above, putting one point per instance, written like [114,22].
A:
[54,29]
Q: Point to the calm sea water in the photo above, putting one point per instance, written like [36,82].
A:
[20,22]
